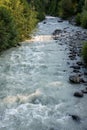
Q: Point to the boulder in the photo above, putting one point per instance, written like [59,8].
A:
[78,94]
[84,91]
[57,32]
[74,79]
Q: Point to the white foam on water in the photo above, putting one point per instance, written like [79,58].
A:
[22,98]
[40,38]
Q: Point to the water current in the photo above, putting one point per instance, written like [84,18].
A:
[35,93]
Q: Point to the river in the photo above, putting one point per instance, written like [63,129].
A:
[35,93]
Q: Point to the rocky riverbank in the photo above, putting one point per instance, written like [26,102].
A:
[74,41]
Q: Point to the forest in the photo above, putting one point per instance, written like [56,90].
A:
[19,17]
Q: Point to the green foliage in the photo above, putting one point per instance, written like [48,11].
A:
[66,8]
[80,5]
[78,19]
[85,6]
[17,20]
[8,30]
[39,6]
[25,17]
[51,9]
[84,52]
[84,19]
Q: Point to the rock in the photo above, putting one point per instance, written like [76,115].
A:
[44,22]
[57,32]
[84,91]
[75,117]
[60,20]
[51,128]
[79,63]
[72,57]
[76,71]
[78,94]
[76,67]
[82,80]
[74,79]
[85,84]
[18,44]
[68,63]
[85,73]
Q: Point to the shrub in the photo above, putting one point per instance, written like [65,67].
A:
[78,19]
[8,31]
[84,52]
[84,19]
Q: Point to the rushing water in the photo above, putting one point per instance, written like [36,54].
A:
[35,93]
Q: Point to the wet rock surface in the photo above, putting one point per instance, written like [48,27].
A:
[78,94]
[84,91]
[74,79]
[74,41]
[75,117]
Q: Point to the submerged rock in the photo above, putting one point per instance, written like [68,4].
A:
[78,94]
[44,22]
[75,117]
[51,128]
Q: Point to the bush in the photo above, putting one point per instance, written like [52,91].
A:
[84,52]
[8,31]
[84,19]
[78,19]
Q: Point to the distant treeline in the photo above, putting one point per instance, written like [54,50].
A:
[62,8]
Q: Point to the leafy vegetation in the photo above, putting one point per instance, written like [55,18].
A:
[78,19]
[83,19]
[8,30]
[17,20]
[39,6]
[84,52]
